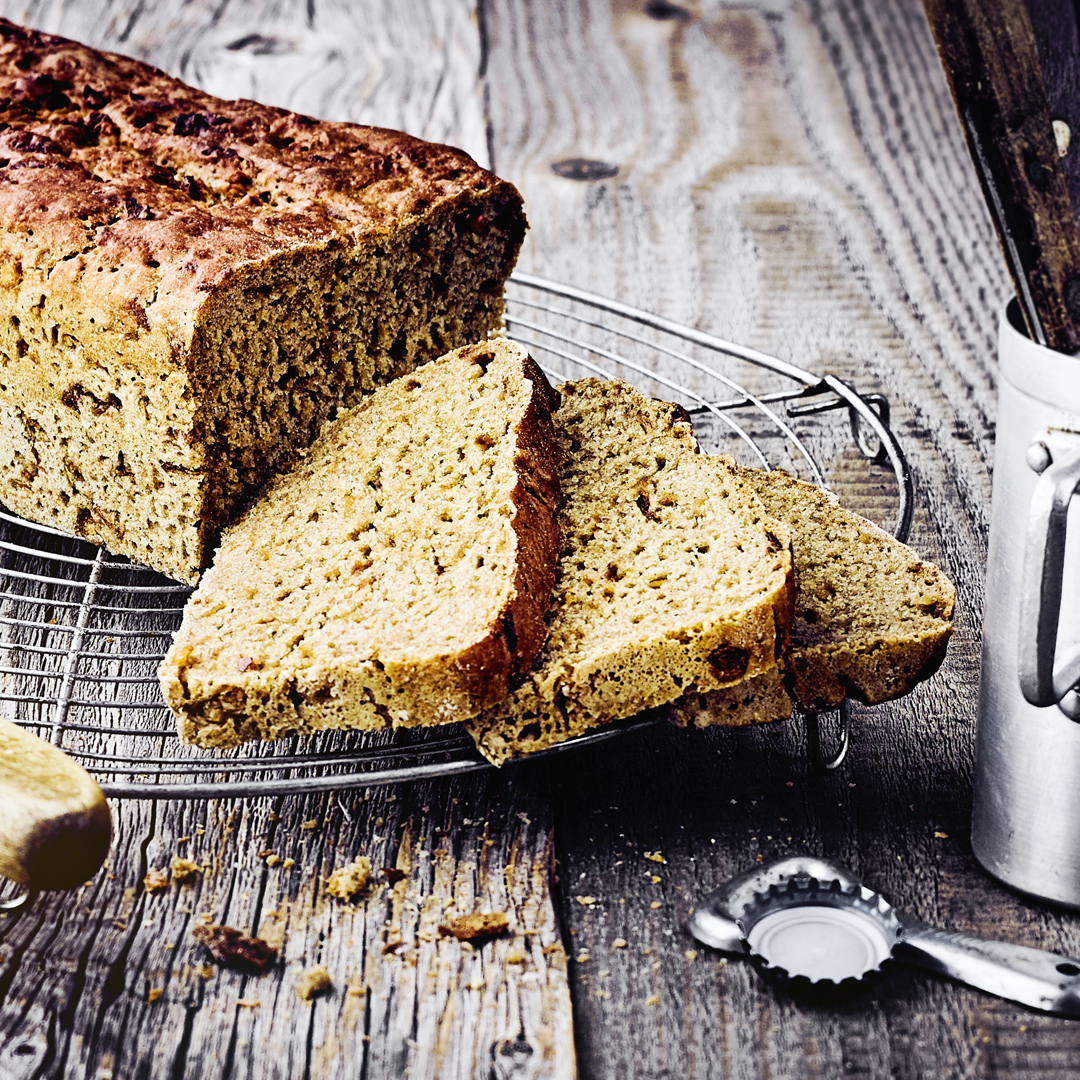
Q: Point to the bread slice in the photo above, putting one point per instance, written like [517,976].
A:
[872,619]
[397,577]
[191,287]
[672,575]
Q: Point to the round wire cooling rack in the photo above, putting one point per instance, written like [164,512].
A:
[82,632]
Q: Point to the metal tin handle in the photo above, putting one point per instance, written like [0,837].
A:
[1042,681]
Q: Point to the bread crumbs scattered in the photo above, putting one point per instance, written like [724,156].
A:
[476,984]
[183,870]
[288,864]
[655,856]
[155,880]
[355,991]
[654,879]
[583,956]
[348,882]
[206,971]
[309,824]
[653,999]
[691,955]
[941,836]
[182,839]
[655,904]
[262,854]
[482,924]
[586,901]
[516,957]
[314,981]
[273,860]
[234,949]
[248,1003]
[154,994]
[619,943]
[199,830]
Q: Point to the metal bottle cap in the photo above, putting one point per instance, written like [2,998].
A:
[820,933]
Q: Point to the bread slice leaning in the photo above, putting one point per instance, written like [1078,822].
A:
[672,575]
[398,576]
[872,619]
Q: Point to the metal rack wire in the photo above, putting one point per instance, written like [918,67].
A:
[82,632]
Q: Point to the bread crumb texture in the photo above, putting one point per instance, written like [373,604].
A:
[155,879]
[872,619]
[184,870]
[234,949]
[397,577]
[348,883]
[314,981]
[192,287]
[672,578]
[479,925]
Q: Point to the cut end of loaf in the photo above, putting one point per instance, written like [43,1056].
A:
[193,286]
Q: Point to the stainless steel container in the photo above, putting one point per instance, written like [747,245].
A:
[1026,820]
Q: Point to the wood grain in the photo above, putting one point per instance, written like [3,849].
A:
[789,174]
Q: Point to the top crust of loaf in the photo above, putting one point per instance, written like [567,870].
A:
[672,575]
[121,182]
[397,577]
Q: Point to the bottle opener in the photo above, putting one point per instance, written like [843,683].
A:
[812,926]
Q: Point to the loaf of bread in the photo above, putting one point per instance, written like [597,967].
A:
[191,287]
[872,619]
[672,575]
[398,576]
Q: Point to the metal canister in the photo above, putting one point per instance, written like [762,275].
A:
[1026,817]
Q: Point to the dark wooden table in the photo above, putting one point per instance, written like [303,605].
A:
[788,174]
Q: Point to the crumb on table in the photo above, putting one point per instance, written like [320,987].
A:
[234,949]
[314,981]
[348,882]
[155,879]
[184,870]
[481,924]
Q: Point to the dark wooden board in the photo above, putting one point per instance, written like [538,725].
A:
[991,61]
[788,175]
[1053,23]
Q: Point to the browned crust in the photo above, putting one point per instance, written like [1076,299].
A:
[538,498]
[178,188]
[822,677]
[134,210]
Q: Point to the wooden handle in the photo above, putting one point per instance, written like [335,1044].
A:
[55,825]
[988,51]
